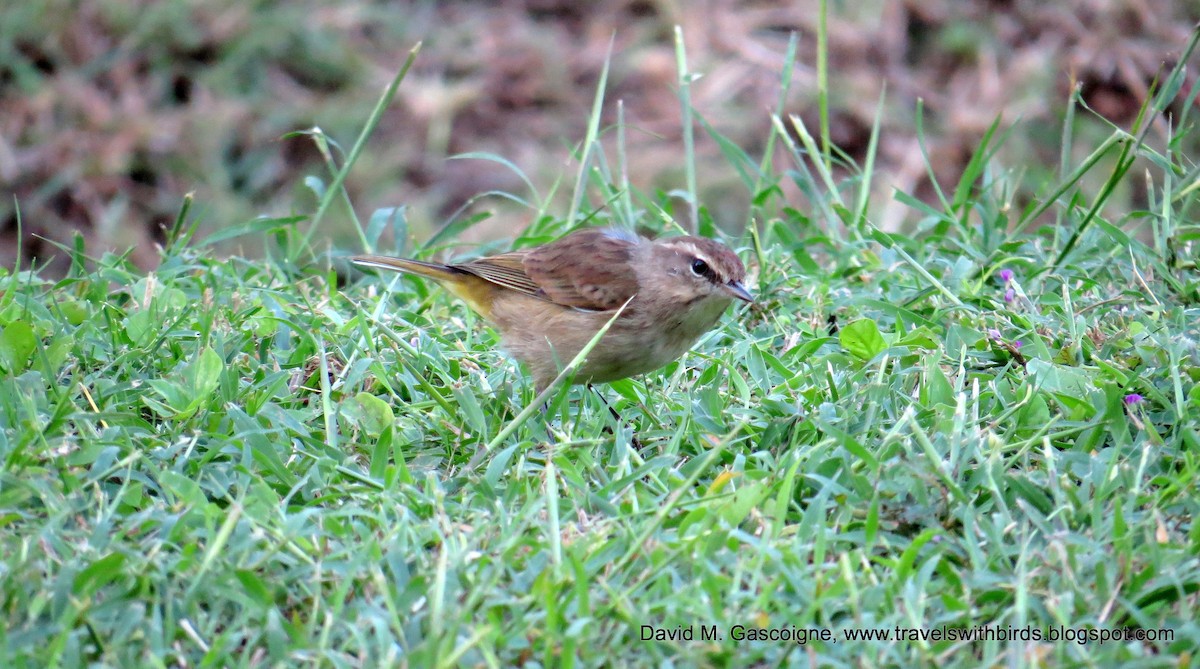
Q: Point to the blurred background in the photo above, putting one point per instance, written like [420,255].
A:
[112,110]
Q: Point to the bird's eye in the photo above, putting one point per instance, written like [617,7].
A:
[699,267]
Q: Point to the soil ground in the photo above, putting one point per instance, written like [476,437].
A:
[110,111]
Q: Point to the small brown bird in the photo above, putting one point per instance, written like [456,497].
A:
[549,301]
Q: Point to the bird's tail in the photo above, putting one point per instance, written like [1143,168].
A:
[433,270]
[477,292]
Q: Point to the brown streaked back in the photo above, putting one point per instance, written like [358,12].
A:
[589,269]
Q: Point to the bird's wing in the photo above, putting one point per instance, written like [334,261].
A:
[590,269]
[506,269]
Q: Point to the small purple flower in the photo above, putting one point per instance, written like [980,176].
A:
[1009,295]
[1006,275]
[1017,344]
[994,335]
[1133,398]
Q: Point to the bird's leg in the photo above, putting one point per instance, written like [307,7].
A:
[538,389]
[633,440]
[616,416]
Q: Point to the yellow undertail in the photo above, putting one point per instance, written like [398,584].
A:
[476,292]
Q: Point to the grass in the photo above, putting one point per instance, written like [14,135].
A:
[977,422]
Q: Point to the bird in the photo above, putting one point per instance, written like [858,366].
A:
[547,302]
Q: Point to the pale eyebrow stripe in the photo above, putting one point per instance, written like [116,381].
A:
[695,252]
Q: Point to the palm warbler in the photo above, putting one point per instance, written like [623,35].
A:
[548,302]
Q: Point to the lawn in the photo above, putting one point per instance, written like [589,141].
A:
[971,442]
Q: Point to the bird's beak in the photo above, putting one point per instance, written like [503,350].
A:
[736,289]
